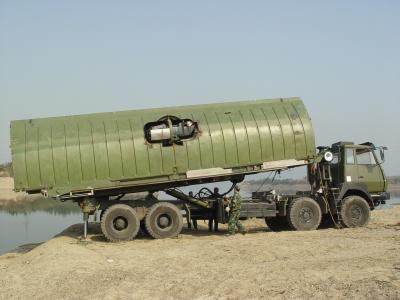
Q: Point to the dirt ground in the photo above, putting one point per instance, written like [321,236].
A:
[349,263]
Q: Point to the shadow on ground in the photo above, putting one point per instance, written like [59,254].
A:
[94,232]
[24,248]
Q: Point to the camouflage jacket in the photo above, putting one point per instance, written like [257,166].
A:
[236,202]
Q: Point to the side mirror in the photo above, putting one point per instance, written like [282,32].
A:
[382,153]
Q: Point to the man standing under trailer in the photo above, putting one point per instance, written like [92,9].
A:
[213,217]
[193,220]
[234,213]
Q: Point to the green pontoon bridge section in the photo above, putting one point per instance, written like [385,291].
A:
[169,146]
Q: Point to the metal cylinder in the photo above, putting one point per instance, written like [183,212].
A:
[160,134]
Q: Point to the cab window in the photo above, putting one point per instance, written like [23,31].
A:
[349,156]
[365,157]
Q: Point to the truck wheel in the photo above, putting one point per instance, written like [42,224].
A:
[102,214]
[163,220]
[355,211]
[304,214]
[277,223]
[120,223]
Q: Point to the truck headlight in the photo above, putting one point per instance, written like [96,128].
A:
[328,156]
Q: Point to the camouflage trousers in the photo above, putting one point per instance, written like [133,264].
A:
[234,223]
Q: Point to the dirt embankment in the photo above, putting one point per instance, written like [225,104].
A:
[10,198]
[7,195]
[356,263]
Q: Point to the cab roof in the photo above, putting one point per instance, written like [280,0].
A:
[362,145]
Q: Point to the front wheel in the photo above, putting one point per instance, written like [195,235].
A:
[355,211]
[304,214]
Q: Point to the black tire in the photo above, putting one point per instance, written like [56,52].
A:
[277,223]
[163,220]
[120,223]
[102,214]
[355,212]
[304,214]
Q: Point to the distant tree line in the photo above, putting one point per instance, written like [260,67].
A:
[391,180]
[394,179]
[278,181]
[48,205]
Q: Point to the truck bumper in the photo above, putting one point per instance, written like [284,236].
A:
[381,198]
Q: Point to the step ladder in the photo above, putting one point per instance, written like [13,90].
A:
[335,193]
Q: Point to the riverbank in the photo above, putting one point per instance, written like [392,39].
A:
[348,263]
[8,196]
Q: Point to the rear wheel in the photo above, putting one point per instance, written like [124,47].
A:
[120,223]
[277,223]
[163,220]
[102,214]
[355,211]
[304,214]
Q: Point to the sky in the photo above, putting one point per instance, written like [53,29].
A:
[73,57]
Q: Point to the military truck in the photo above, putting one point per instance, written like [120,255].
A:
[97,159]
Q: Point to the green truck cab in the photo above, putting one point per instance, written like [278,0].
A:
[360,166]
[347,181]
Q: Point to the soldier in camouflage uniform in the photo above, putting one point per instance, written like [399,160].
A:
[234,213]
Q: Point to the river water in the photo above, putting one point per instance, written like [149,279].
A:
[36,224]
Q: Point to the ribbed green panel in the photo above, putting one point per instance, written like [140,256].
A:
[127,150]
[141,149]
[205,144]
[73,153]
[86,151]
[100,150]
[46,156]
[264,132]
[193,150]
[32,155]
[228,133]
[18,152]
[252,135]
[275,128]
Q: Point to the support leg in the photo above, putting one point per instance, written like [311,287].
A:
[85,224]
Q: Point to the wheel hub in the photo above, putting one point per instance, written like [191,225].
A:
[120,223]
[356,213]
[164,221]
[306,215]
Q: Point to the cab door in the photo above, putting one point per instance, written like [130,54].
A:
[369,172]
[350,167]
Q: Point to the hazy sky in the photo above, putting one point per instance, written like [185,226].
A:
[72,57]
